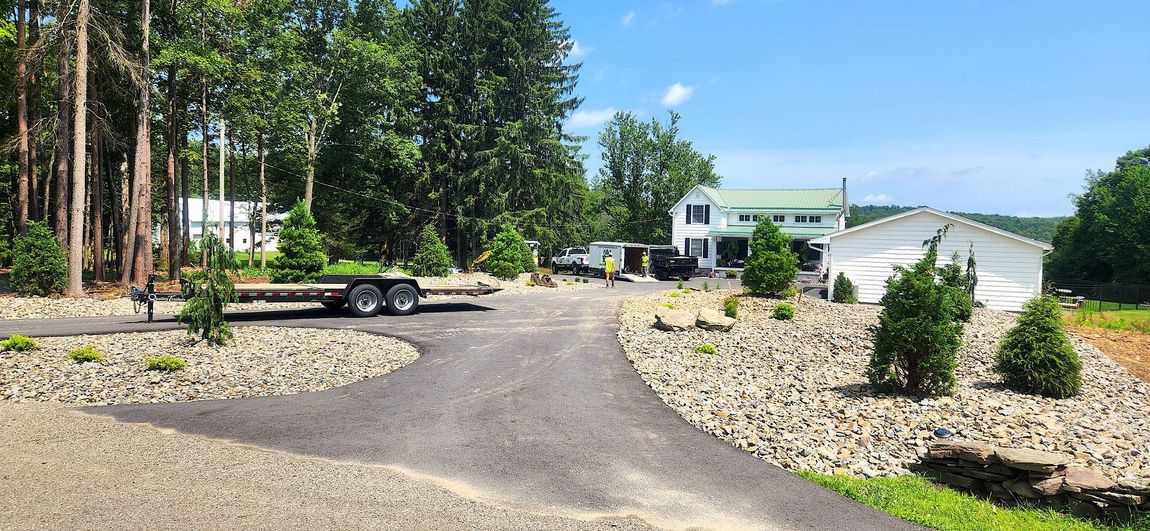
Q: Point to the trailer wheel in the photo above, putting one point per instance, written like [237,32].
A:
[402,299]
[333,305]
[365,300]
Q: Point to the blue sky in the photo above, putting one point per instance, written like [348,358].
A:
[968,105]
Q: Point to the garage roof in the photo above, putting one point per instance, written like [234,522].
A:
[952,217]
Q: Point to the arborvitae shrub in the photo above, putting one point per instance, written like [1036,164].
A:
[917,341]
[432,258]
[1036,357]
[772,267]
[39,266]
[506,260]
[844,290]
[958,281]
[784,312]
[212,291]
[731,307]
[301,256]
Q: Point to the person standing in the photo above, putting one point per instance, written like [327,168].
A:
[609,270]
[646,263]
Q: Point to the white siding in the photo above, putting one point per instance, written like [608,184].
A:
[1009,271]
[681,230]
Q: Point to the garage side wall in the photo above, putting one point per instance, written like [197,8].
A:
[1009,271]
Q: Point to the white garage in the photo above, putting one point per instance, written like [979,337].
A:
[1009,266]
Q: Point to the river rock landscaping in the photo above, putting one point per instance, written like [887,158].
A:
[259,361]
[795,393]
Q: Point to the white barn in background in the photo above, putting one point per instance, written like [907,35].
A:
[244,237]
[1009,266]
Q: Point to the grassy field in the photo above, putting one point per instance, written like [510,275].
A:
[1130,320]
[1105,306]
[916,499]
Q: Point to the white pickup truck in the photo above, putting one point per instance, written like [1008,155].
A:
[573,258]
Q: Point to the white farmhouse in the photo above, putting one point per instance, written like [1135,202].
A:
[715,224]
[245,238]
[1009,266]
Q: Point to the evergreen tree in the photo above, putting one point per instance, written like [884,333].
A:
[39,266]
[844,290]
[1036,357]
[301,256]
[506,260]
[917,341]
[212,291]
[772,267]
[432,258]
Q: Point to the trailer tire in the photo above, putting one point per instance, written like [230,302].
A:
[334,305]
[402,299]
[365,300]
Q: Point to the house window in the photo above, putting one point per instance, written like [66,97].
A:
[745,217]
[755,218]
[697,213]
[816,219]
[800,219]
[699,247]
[778,218]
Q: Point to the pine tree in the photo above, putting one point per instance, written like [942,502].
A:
[506,260]
[844,290]
[301,249]
[1036,357]
[39,266]
[213,290]
[432,258]
[772,267]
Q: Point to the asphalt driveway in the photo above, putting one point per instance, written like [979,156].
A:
[524,401]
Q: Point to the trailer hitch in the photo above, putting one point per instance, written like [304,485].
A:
[146,296]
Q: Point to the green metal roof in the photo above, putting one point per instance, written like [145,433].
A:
[816,199]
[794,232]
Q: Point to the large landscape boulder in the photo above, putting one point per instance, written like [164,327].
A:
[1032,460]
[709,319]
[969,450]
[673,320]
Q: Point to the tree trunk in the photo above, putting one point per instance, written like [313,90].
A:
[140,219]
[185,217]
[232,193]
[222,152]
[97,195]
[251,234]
[63,130]
[34,117]
[174,257]
[263,203]
[79,140]
[23,179]
[204,145]
[312,155]
[116,191]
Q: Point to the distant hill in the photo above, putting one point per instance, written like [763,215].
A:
[1041,229]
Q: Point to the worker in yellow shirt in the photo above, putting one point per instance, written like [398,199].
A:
[609,269]
[646,263]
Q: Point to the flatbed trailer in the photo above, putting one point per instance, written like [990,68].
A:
[364,295]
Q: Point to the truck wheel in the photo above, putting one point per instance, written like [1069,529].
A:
[365,300]
[402,299]
[574,269]
[333,305]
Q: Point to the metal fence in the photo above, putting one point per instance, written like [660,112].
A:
[1101,296]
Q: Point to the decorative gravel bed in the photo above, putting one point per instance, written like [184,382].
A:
[259,361]
[794,392]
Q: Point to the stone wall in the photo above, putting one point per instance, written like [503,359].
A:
[1017,474]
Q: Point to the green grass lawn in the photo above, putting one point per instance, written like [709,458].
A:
[916,499]
[1132,320]
[1096,305]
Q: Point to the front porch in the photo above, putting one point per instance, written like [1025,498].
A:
[732,247]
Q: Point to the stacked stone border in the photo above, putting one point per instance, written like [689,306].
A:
[1016,474]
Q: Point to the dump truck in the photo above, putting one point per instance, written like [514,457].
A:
[364,295]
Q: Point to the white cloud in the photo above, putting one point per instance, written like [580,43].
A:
[583,119]
[877,199]
[579,50]
[629,17]
[677,94]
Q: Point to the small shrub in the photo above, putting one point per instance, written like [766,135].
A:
[530,283]
[707,348]
[432,258]
[680,286]
[687,291]
[844,290]
[772,266]
[674,294]
[212,291]
[301,256]
[1036,357]
[784,312]
[18,343]
[732,274]
[706,286]
[507,259]
[166,363]
[789,293]
[668,305]
[731,307]
[39,266]
[85,354]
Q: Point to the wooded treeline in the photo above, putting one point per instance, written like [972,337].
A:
[384,120]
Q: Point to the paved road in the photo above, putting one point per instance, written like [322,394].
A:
[527,402]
